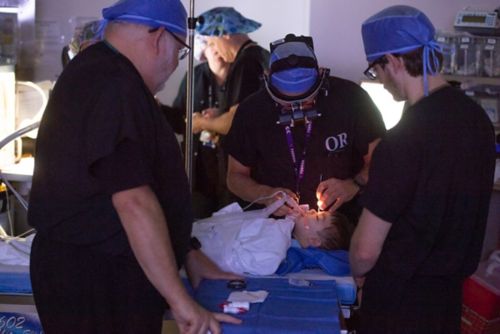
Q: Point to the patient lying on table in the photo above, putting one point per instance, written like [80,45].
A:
[251,243]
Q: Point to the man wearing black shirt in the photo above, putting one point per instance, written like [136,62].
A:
[226,32]
[110,199]
[307,134]
[426,202]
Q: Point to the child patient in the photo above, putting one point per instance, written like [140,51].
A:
[324,230]
[251,243]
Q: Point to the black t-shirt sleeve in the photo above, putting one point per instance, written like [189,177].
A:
[113,149]
[369,124]
[175,118]
[250,79]
[125,168]
[393,178]
[238,141]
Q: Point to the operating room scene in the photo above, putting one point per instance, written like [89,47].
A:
[219,166]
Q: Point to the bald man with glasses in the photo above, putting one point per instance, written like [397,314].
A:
[110,199]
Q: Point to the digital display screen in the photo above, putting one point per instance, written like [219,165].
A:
[473,19]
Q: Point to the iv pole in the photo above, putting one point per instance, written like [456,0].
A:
[190,96]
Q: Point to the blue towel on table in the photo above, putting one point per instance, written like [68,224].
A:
[334,263]
[288,309]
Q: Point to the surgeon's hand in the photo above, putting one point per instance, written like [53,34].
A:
[199,266]
[274,195]
[192,318]
[332,193]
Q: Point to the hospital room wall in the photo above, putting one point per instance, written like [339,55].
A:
[334,24]
[336,27]
[56,14]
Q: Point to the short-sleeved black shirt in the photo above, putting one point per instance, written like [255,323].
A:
[431,177]
[103,132]
[349,122]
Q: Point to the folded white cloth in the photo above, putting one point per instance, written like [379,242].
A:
[258,296]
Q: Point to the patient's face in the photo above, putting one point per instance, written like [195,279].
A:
[308,225]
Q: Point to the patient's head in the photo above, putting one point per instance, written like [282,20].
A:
[323,230]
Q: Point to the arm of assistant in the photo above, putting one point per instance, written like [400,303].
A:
[362,176]
[144,223]
[367,242]
[338,191]
[240,182]
[199,266]
[219,124]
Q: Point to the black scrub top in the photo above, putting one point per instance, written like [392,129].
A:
[431,178]
[349,122]
[103,132]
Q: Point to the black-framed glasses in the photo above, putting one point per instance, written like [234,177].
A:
[184,51]
[370,72]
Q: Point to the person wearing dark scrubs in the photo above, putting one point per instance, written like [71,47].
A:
[209,78]
[306,133]
[426,202]
[110,199]
[226,33]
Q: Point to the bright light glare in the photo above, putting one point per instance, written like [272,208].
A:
[7,112]
[391,110]
[8,10]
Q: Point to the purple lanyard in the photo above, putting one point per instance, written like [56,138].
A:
[298,166]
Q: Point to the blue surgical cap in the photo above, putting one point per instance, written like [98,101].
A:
[297,80]
[169,14]
[220,21]
[401,29]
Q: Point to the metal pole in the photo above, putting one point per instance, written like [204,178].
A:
[190,97]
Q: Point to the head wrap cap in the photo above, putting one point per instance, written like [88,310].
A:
[89,33]
[220,21]
[296,80]
[169,14]
[401,29]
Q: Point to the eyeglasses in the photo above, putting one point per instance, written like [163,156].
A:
[184,51]
[370,72]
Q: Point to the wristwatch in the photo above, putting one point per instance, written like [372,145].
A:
[194,243]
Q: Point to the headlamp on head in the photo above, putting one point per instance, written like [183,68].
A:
[307,40]
[294,78]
